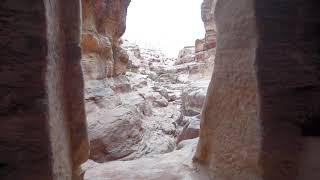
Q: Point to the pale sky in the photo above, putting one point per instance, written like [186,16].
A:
[168,25]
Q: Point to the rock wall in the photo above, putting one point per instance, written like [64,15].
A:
[207,15]
[104,22]
[229,134]
[42,119]
[259,119]
[287,61]
[113,132]
[205,48]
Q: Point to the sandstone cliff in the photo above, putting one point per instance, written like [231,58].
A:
[205,49]
[104,22]
[207,15]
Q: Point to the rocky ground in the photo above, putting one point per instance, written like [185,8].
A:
[146,111]
[171,166]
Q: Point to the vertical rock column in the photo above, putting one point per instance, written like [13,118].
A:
[229,135]
[261,116]
[42,120]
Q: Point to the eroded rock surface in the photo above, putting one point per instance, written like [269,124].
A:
[193,97]
[138,101]
[186,55]
[129,114]
[205,48]
[104,22]
[191,128]
[171,166]
[144,111]
[229,135]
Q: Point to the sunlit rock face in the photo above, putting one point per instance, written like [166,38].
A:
[43,130]
[104,22]
[260,118]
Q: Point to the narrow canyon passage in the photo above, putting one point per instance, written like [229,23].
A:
[154,106]
[142,104]
[79,101]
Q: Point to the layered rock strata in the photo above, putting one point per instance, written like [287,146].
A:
[205,48]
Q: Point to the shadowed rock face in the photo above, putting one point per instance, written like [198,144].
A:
[42,120]
[104,22]
[263,100]
[289,82]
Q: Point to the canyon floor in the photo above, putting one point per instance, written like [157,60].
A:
[147,117]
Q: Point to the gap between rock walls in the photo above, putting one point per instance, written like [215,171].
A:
[139,102]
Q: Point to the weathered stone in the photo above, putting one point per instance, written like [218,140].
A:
[261,100]
[175,165]
[114,134]
[190,130]
[229,135]
[193,98]
[43,130]
[119,84]
[104,22]
[186,55]
[207,15]
[260,119]
[199,45]
[134,54]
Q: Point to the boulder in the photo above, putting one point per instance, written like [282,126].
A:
[119,84]
[186,55]
[193,98]
[115,133]
[190,130]
[134,55]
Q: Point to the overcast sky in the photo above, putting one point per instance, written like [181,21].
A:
[168,25]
